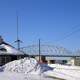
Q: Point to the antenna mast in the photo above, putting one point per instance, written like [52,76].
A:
[18,41]
[39,50]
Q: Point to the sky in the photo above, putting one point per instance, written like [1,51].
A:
[55,22]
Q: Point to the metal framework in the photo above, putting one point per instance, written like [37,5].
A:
[49,50]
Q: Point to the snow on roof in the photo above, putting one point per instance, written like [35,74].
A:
[9,50]
[6,48]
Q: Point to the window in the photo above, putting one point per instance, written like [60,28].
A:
[64,61]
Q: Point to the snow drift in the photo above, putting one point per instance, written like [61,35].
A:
[26,65]
[25,69]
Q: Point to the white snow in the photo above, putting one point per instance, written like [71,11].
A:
[23,65]
[30,69]
[21,76]
[26,65]
[65,72]
[25,69]
[11,50]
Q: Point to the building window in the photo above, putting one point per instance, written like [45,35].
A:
[52,61]
[64,61]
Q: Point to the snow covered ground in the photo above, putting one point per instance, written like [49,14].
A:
[30,69]
[25,69]
[21,76]
[65,72]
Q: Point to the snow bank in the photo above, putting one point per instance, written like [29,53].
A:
[30,69]
[21,76]
[25,69]
[26,65]
[66,67]
[65,72]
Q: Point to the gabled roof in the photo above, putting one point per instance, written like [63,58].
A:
[6,48]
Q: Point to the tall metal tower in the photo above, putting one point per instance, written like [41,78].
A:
[18,41]
[39,50]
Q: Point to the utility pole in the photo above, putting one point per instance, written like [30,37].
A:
[39,50]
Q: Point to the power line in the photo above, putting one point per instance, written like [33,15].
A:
[71,33]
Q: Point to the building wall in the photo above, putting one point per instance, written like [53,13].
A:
[42,59]
[74,61]
[8,58]
[77,61]
[60,60]
[4,59]
[52,60]
[71,61]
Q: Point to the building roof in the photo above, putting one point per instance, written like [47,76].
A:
[8,49]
